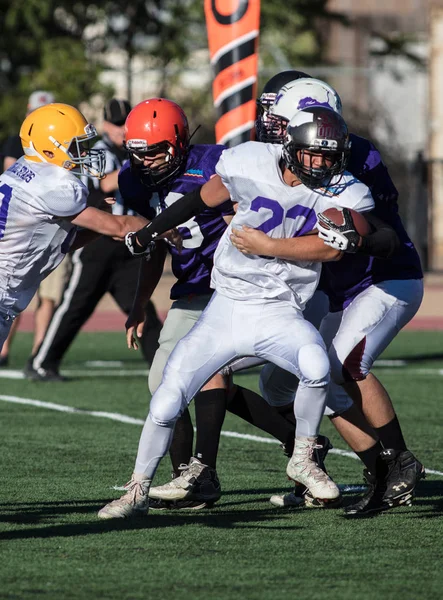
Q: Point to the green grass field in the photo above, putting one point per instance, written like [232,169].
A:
[58,469]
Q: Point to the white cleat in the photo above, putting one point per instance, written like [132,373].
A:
[303,469]
[287,500]
[133,503]
[196,482]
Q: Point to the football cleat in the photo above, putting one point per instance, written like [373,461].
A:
[289,500]
[299,496]
[51,375]
[132,504]
[303,469]
[372,500]
[178,504]
[29,372]
[404,472]
[196,482]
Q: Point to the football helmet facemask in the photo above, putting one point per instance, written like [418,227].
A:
[295,96]
[271,88]
[314,133]
[157,127]
[59,134]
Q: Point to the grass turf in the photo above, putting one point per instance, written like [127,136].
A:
[58,470]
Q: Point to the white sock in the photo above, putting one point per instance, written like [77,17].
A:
[153,445]
[309,405]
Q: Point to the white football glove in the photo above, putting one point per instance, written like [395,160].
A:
[340,237]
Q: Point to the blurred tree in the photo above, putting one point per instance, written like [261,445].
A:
[164,31]
[42,46]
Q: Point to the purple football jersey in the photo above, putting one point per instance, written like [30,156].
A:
[343,280]
[201,234]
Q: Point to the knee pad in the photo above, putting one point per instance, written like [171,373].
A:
[355,367]
[313,365]
[166,407]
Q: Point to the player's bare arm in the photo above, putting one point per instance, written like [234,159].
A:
[101,222]
[310,247]
[82,238]
[148,278]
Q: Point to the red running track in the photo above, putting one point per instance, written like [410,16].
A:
[115,321]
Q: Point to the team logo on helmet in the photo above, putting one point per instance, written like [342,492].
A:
[307,102]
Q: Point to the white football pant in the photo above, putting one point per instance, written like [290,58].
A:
[355,337]
[273,331]
[358,335]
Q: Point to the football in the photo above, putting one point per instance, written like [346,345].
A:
[336,215]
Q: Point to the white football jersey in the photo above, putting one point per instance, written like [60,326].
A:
[34,236]
[252,174]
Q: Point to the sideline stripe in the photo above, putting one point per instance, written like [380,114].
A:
[17,374]
[132,421]
[388,367]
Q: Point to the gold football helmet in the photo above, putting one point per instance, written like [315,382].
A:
[59,134]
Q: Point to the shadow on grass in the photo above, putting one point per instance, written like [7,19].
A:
[213,518]
[427,504]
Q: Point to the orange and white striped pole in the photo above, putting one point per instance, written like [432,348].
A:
[233,29]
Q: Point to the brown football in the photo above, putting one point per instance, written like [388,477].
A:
[361,224]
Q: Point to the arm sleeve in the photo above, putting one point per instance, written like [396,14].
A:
[383,242]
[182,210]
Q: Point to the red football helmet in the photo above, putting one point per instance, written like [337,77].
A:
[154,127]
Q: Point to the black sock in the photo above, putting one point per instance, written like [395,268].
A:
[254,409]
[369,457]
[287,412]
[210,410]
[151,331]
[180,451]
[391,435]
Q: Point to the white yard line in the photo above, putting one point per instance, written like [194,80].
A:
[132,421]
[108,369]
[17,374]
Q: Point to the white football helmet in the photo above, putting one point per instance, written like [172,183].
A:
[295,96]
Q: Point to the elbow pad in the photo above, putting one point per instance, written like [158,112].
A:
[182,210]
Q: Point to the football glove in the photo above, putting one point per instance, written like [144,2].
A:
[341,237]
[135,249]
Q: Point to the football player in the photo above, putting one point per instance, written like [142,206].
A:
[149,185]
[245,403]
[163,166]
[253,294]
[44,201]
[370,301]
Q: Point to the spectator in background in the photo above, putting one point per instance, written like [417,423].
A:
[50,290]
[102,266]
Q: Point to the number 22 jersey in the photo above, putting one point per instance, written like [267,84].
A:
[252,174]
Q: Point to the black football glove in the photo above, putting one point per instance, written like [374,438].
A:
[135,249]
[341,237]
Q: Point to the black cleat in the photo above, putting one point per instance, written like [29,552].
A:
[157,504]
[372,501]
[405,471]
[4,361]
[29,372]
[51,375]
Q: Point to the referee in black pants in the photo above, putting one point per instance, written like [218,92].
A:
[102,266]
